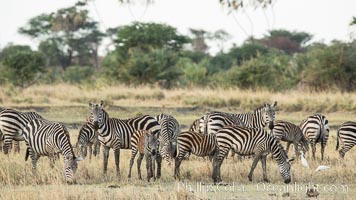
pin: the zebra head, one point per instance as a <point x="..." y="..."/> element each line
<point x="151" y="143"/>
<point x="268" y="114"/>
<point x="280" y="155"/>
<point x="97" y="114"/>
<point x="70" y="167"/>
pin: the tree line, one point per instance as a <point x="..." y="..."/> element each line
<point x="157" y="54"/>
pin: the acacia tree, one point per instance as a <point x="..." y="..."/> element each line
<point x="66" y="36"/>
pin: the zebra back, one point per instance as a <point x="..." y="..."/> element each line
<point x="316" y="128"/>
<point x="213" y="121"/>
<point x="196" y="125"/>
<point x="196" y="143"/>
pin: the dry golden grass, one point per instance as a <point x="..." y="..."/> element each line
<point x="68" y="104"/>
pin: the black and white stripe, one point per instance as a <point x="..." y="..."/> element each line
<point x="169" y="131"/>
<point x="213" y="121"/>
<point x="11" y="123"/>
<point x="146" y="144"/>
<point x="346" y="136"/>
<point x="45" y="138"/>
<point x="116" y="133"/>
<point x="316" y="129"/>
<point x="292" y="134"/>
<point x="88" y="137"/>
<point x="191" y="142"/>
<point x="197" y="125"/>
<point x="249" y="141"/>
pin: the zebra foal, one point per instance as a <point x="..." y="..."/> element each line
<point x="88" y="137"/>
<point x="45" y="138"/>
<point x="290" y="133"/>
<point x="146" y="144"/>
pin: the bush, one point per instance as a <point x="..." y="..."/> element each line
<point x="78" y="74"/>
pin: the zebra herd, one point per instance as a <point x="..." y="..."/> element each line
<point x="159" y="138"/>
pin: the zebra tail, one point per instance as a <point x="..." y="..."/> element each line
<point x="27" y="153"/>
<point x="206" y="124"/>
<point x="337" y="139"/>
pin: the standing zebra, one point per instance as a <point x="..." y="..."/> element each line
<point x="191" y="142"/>
<point x="197" y="125"/>
<point x="346" y="135"/>
<point x="87" y="138"/>
<point x="116" y="133"/>
<point x="45" y="138"/>
<point x="146" y="144"/>
<point x="249" y="141"/>
<point x="169" y="131"/>
<point x="316" y="129"/>
<point x="11" y="123"/>
<point x="290" y="133"/>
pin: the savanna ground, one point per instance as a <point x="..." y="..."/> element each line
<point x="69" y="104"/>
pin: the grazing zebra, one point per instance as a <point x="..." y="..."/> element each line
<point x="116" y="133"/>
<point x="249" y="141"/>
<point x="290" y="133"/>
<point x="316" y="129"/>
<point x="45" y="138"/>
<point x="147" y="145"/>
<point x="191" y="142"/>
<point x="87" y="138"/>
<point x="169" y="131"/>
<point x="346" y="135"/>
<point x="11" y="124"/>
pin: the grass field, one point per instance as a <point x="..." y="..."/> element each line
<point x="69" y="105"/>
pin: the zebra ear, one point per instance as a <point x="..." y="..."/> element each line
<point x="90" y="104"/>
<point x="101" y="103"/>
<point x="275" y="104"/>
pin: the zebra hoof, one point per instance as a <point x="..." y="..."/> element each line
<point x="266" y="180"/>
<point x="250" y="179"/>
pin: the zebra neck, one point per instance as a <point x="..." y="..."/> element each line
<point x="276" y="149"/>
<point x="258" y="119"/>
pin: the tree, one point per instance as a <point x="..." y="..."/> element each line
<point x="199" y="40"/>
<point x="289" y="42"/>
<point x="21" y="65"/>
<point x="247" y="51"/>
<point x="67" y="35"/>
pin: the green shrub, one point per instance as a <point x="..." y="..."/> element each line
<point x="78" y="74"/>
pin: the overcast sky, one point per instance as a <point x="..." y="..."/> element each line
<point x="326" y="20"/>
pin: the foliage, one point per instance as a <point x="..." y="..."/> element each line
<point x="193" y="73"/>
<point x="78" y="74"/>
<point x="22" y="66"/>
<point x="247" y="51"/>
<point x="67" y="35"/>
<point x="270" y="71"/>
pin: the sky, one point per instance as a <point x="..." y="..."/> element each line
<point x="326" y="20"/>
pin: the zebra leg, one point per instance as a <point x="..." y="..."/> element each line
<point x="90" y="148"/>
<point x="7" y="143"/>
<point x="217" y="162"/>
<point x="153" y="165"/>
<point x="117" y="162"/>
<point x="132" y="160"/>
<point x="106" y="157"/>
<point x="34" y="159"/>
<point x="139" y="161"/>
<point x="264" y="168"/>
<point x="159" y="165"/>
<point x="296" y="152"/>
<point x="16" y="146"/>
<point x="255" y="161"/>
<point x="322" y="150"/>
<point x="177" y="163"/>
<point x="149" y="167"/>
<point x="313" y="145"/>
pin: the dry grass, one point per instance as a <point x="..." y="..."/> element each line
<point x="68" y="104"/>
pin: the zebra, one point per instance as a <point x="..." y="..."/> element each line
<point x="11" y="124"/>
<point x="197" y="125"/>
<point x="290" y="133"/>
<point x="316" y="129"/>
<point x="146" y="144"/>
<point x="116" y="133"/>
<point x="46" y="138"/>
<point x="249" y="141"/>
<point x="88" y="137"/>
<point x="169" y="131"/>
<point x="346" y="135"/>
<point x="191" y="142"/>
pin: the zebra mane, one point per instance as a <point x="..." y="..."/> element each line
<point x="264" y="105"/>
